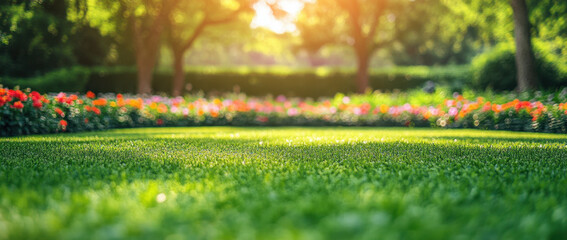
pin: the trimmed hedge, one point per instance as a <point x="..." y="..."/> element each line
<point x="255" y="82"/>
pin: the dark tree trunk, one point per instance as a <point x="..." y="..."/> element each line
<point x="362" y="75"/>
<point x="179" y="74"/>
<point x="363" y="62"/>
<point x="145" y="70"/>
<point x="525" y="60"/>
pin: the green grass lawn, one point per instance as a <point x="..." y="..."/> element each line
<point x="284" y="183"/>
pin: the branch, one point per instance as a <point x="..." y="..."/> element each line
<point x="381" y="44"/>
<point x="163" y="15"/>
<point x="378" y="12"/>
<point x="200" y="28"/>
<point x="208" y="22"/>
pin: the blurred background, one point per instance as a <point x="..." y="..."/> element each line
<point x="303" y="48"/>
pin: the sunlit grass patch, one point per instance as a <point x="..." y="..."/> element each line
<point x="281" y="183"/>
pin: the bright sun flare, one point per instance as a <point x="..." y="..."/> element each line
<point x="266" y="19"/>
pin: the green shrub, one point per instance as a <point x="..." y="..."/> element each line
<point x="496" y="69"/>
<point x="62" y="80"/>
<point x="252" y="81"/>
<point x="300" y="83"/>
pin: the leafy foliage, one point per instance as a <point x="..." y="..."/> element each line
<point x="496" y="69"/>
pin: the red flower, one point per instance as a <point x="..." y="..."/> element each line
<point x="59" y="112"/>
<point x="159" y="122"/>
<point x="95" y="110"/>
<point x="35" y="96"/>
<point x="90" y="95"/>
<point x="3" y="100"/>
<point x="61" y="97"/>
<point x="63" y="124"/>
<point x="17" y="94"/>
<point x="17" y="105"/>
<point x="262" y="119"/>
<point x="37" y="104"/>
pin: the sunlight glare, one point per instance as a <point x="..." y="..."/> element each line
<point x="265" y="18"/>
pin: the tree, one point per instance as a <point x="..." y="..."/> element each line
<point x="189" y="21"/>
<point x="34" y="37"/>
<point x="424" y="35"/>
<point x="365" y="25"/>
<point x="504" y="17"/>
<point x="143" y="20"/>
<point x="147" y="20"/>
<point x="525" y="59"/>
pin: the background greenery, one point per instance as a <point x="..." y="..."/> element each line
<point x="254" y="81"/>
<point x="73" y="45"/>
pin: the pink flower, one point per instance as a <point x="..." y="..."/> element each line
<point x="292" y="112"/>
<point x="281" y="98"/>
<point x="453" y="111"/>
<point x="357" y="111"/>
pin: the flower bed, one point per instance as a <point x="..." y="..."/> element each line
<point x="29" y="112"/>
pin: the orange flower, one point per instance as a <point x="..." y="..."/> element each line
<point x="162" y="108"/>
<point x="136" y="103"/>
<point x="214" y="114"/>
<point x="120" y="102"/>
<point x="496" y="108"/>
<point x="100" y="102"/>
<point x="90" y="95"/>
<point x="59" y="112"/>
<point x="384" y="108"/>
<point x="72" y="98"/>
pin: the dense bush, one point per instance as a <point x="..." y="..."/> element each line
<point x="496" y="69"/>
<point x="254" y="82"/>
<point x="25" y="112"/>
<point x="66" y="80"/>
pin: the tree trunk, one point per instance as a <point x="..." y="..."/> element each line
<point x="525" y="60"/>
<point x="179" y="74"/>
<point x="362" y="73"/>
<point x="145" y="71"/>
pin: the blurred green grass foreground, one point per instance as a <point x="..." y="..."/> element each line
<point x="284" y="183"/>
